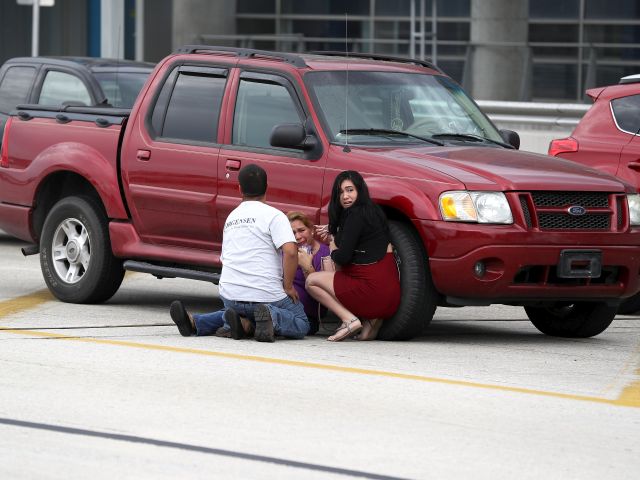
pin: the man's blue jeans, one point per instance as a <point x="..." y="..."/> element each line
<point x="289" y="319"/>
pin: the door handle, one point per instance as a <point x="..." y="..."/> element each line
<point x="143" y="155"/>
<point x="233" y="164"/>
<point x="634" y="165"/>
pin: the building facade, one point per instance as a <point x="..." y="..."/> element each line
<point x="540" y="50"/>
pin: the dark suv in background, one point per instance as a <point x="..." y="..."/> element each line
<point x="70" y="81"/>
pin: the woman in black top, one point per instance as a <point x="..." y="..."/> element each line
<point x="366" y="287"/>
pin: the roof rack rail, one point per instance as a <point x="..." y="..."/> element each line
<point x="291" y="58"/>
<point x="374" y="56"/>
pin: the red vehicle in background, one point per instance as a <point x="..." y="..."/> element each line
<point x="608" y="139"/>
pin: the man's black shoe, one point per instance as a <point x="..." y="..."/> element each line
<point x="232" y="318"/>
<point x="180" y="317"/>
<point x="264" y="324"/>
<point x="223" y="332"/>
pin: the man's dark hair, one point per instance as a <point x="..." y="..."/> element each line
<point x="253" y="181"/>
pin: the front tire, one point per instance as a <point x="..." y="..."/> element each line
<point x="630" y="305"/>
<point x="419" y="297"/>
<point x="75" y="252"/>
<point x="572" y="320"/>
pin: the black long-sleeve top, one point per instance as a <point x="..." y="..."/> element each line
<point x="359" y="241"/>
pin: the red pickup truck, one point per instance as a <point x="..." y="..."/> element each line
<point x="474" y="221"/>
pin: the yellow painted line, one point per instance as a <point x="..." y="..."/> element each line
<point x="26" y="302"/>
<point x="630" y="396"/>
<point x="633" y="359"/>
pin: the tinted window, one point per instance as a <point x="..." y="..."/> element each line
<point x="627" y="113"/>
<point x="63" y="88"/>
<point x="15" y="87"/>
<point x="259" y="107"/>
<point x="193" y="109"/>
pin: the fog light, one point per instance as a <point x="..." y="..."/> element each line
<point x="479" y="269"/>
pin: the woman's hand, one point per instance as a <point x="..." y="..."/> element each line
<point x="322" y="231"/>
<point x="305" y="261"/>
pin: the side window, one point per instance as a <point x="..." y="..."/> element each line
<point x="188" y="107"/>
<point x="15" y="87"/>
<point x="627" y="113"/>
<point x="59" y="88"/>
<point x="259" y="107"/>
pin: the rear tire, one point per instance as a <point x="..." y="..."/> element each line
<point x="75" y="252"/>
<point x="419" y="297"/>
<point x="572" y="320"/>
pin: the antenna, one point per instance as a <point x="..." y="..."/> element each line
<point x="346" y="148"/>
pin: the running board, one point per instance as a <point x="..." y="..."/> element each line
<point x="170" y="272"/>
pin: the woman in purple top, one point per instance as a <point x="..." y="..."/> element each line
<point x="310" y="253"/>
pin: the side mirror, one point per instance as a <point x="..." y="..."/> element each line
<point x="291" y="135"/>
<point x="511" y="137"/>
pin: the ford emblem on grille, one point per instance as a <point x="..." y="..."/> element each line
<point x="577" y="210"/>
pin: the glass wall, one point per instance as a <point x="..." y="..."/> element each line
<point x="574" y="44"/>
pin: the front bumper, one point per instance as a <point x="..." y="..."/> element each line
<point x="522" y="265"/>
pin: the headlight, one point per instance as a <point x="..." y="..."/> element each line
<point x="634" y="209"/>
<point x="481" y="207"/>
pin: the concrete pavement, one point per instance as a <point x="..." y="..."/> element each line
<point x="113" y="391"/>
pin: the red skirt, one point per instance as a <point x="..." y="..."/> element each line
<point x="369" y="291"/>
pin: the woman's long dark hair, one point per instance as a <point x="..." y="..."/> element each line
<point x="372" y="213"/>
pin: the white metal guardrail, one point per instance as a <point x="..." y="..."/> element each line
<point x="536" y="123"/>
<point x="536" y="115"/>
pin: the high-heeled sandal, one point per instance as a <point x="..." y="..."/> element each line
<point x="347" y="329"/>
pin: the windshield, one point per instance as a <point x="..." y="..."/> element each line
<point x="417" y="104"/>
<point x="121" y="89"/>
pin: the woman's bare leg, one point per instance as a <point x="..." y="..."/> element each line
<point x="320" y="286"/>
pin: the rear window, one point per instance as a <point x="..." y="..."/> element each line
<point x="188" y="106"/>
<point x="121" y="89"/>
<point x="60" y="88"/>
<point x="626" y="111"/>
<point x="15" y="87"/>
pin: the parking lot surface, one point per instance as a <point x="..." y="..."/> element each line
<point x="112" y="391"/>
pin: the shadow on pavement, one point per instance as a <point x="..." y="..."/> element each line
<point x="134" y="297"/>
<point x="497" y="332"/>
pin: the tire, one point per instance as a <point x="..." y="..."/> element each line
<point x="630" y="305"/>
<point x="572" y="320"/>
<point x="419" y="297"/>
<point x="75" y="252"/>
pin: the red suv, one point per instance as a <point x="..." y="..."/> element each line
<point x="608" y="139"/>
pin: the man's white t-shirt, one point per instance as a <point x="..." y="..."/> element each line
<point x="251" y="262"/>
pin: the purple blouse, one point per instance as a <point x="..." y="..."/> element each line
<point x="308" y="302"/>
